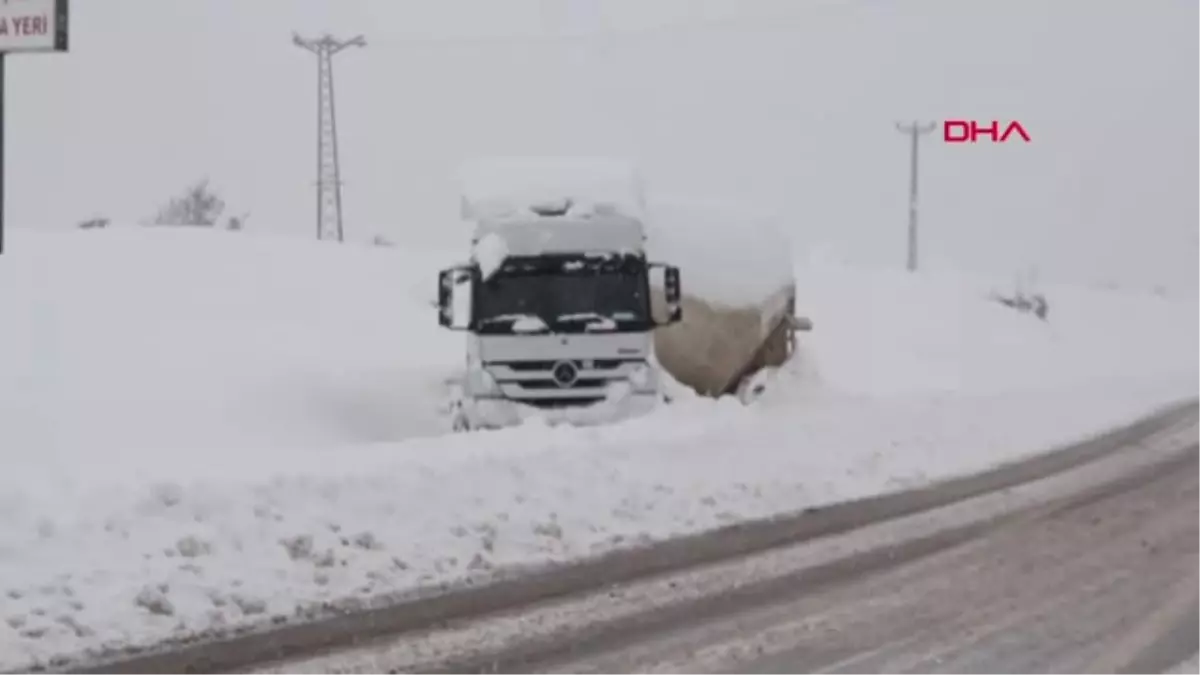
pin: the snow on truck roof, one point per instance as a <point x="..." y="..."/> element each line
<point x="532" y="233"/>
<point x="494" y="186"/>
<point x="727" y="253"/>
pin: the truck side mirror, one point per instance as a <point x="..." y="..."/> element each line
<point x="671" y="292"/>
<point x="454" y="298"/>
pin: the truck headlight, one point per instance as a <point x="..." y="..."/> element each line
<point x="481" y="383"/>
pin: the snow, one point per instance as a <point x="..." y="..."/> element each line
<point x="492" y="186"/>
<point x="183" y="392"/>
<point x="172" y="338"/>
<point x="888" y="332"/>
<point x="726" y="254"/>
<point x="529" y="324"/>
<point x="521" y="323"/>
<point x="490" y="252"/>
<point x="203" y="430"/>
<point x="596" y="322"/>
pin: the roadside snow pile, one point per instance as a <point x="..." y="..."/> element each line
<point x="110" y="554"/>
<point x="202" y="431"/>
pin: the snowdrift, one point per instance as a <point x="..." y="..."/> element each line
<point x="121" y="340"/>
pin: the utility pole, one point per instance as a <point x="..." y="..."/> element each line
<point x="915" y="131"/>
<point x="329" y="182"/>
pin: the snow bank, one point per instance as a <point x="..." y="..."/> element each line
<point x="246" y="539"/>
<point x="491" y="186"/>
<point x="125" y="340"/>
<point x="204" y="430"/>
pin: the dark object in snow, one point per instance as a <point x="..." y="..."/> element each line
<point x="1033" y="303"/>
<point x="197" y="206"/>
<point x="94" y="224"/>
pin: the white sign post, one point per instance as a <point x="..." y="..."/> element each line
<point x="27" y="26"/>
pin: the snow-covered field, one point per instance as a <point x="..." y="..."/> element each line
<point x="206" y="429"/>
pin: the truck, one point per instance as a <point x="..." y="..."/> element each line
<point x="556" y="302"/>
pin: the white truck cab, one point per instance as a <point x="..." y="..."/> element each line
<point x="556" y="301"/>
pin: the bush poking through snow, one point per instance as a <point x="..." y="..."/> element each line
<point x="198" y="206"/>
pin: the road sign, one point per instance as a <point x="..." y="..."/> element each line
<point x="33" y="26"/>
<point x="27" y="26"/>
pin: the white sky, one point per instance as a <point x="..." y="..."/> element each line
<point x="789" y="103"/>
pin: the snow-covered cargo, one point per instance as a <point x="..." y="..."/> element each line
<point x="739" y="293"/>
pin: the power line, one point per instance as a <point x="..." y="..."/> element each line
<point x="914" y="131"/>
<point x="329" y="182"/>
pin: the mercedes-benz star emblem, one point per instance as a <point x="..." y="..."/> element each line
<point x="564" y="373"/>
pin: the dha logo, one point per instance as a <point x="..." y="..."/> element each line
<point x="969" y="131"/>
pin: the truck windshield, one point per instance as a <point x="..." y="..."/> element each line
<point x="564" y="294"/>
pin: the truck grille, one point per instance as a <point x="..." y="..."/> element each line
<point x="547" y="383"/>
<point x="555" y="403"/>
<point x="534" y="366"/>
<point x="551" y="384"/>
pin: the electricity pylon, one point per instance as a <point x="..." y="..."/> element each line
<point x="329" y="182"/>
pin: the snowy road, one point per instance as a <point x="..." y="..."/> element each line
<point x="1103" y="583"/>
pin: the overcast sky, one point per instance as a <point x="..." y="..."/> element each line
<point x="790" y="105"/>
